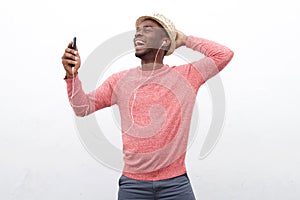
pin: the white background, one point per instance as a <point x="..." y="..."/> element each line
<point x="257" y="157"/>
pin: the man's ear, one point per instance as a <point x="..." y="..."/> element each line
<point x="167" y="42"/>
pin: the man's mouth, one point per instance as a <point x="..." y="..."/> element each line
<point x="139" y="44"/>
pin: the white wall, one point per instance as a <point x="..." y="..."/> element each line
<point x="257" y="157"/>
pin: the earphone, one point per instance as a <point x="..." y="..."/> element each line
<point x="135" y="90"/>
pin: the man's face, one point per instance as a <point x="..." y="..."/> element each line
<point x="148" y="38"/>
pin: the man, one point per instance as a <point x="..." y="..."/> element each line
<point x="156" y="103"/>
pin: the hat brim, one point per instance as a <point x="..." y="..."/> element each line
<point x="173" y="42"/>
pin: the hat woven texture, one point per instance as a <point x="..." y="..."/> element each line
<point x="166" y="24"/>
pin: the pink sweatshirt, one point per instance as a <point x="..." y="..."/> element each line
<point x="155" y="108"/>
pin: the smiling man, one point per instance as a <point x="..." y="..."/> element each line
<point x="156" y="102"/>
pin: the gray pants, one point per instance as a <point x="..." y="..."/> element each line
<point x="178" y="188"/>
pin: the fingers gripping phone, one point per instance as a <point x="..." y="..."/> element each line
<point x="74" y="47"/>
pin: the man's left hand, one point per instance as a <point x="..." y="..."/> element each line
<point x="181" y="39"/>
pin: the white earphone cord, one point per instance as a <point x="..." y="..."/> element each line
<point x="135" y="90"/>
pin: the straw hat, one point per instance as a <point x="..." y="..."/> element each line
<point x="166" y="24"/>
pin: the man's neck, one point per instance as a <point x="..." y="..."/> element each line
<point x="151" y="66"/>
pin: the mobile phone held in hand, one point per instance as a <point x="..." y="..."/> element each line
<point x="74" y="43"/>
<point x="74" y="47"/>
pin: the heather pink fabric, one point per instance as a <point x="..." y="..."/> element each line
<point x="155" y="125"/>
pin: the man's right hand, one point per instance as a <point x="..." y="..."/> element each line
<point x="71" y="57"/>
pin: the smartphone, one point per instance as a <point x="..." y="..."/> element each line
<point x="74" y="47"/>
<point x="74" y="43"/>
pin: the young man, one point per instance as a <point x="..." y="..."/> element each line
<point x="156" y="103"/>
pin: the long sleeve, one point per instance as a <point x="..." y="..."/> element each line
<point x="86" y="103"/>
<point x="216" y="57"/>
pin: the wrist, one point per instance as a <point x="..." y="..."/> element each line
<point x="70" y="76"/>
<point x="184" y="40"/>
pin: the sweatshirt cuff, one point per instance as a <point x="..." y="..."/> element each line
<point x="189" y="41"/>
<point x="69" y="80"/>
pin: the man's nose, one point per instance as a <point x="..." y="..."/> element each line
<point x="138" y="33"/>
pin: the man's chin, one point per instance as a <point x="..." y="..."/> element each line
<point x="140" y="53"/>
